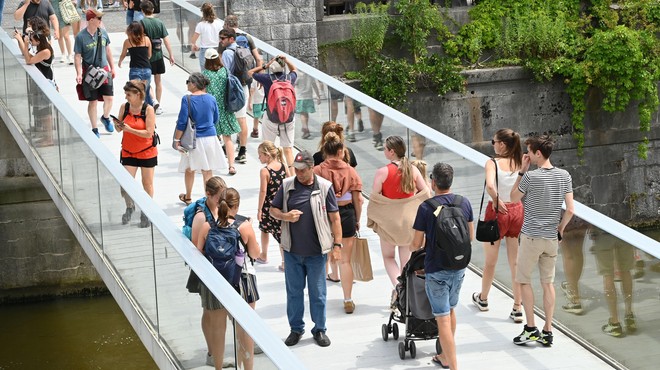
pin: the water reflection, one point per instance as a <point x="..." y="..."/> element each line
<point x="72" y="333"/>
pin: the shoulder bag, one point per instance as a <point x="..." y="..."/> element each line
<point x="189" y="137"/>
<point x="489" y="231"/>
<point x="68" y="12"/>
<point x="95" y="75"/>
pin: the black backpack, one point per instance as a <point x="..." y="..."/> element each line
<point x="155" y="139"/>
<point x="243" y="62"/>
<point x="452" y="234"/>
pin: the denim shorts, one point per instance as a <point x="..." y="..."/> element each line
<point x="442" y="289"/>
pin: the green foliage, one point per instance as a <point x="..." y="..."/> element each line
<point x="609" y="46"/>
<point x="369" y="29"/>
<point x="388" y="80"/>
<point x="416" y="20"/>
<point x="440" y="73"/>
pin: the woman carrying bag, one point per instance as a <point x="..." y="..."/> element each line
<point x="501" y="174"/>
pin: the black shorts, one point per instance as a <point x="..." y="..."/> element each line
<point x="158" y="67"/>
<point x="335" y="95"/>
<point x="98" y="94"/>
<point x="347" y="215"/>
<point x="137" y="162"/>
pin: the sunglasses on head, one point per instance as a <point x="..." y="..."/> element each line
<point x="493" y="141"/>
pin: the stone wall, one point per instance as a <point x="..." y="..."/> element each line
<point x="39" y="255"/>
<point x="609" y="178"/>
<point x="289" y="25"/>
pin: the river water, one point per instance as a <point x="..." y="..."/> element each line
<point x="69" y="333"/>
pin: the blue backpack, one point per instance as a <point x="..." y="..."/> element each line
<point x="242" y="40"/>
<point x="235" y="96"/>
<point x="189" y="214"/>
<point x="222" y="248"/>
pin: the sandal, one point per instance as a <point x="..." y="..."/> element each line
<point x="182" y="197"/>
<point x="232" y="170"/>
<point x="260" y="260"/>
<point x="331" y="279"/>
<point x="437" y="360"/>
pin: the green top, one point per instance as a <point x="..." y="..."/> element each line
<point x="155" y="29"/>
<point x="227" y="123"/>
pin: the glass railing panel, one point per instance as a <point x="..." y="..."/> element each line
<point x="181" y="28"/>
<point x="80" y="180"/>
<point x="18" y="100"/>
<point x="128" y="243"/>
<point x="45" y="135"/>
<point x="6" y="58"/>
<point x="245" y="352"/>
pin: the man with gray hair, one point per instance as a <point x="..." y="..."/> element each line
<point x="442" y="285"/>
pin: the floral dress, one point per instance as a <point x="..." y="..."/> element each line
<point x="227" y="124"/>
<point x="268" y="224"/>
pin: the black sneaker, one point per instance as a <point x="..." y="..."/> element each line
<point x="241" y="158"/>
<point x="193" y="56"/>
<point x="360" y="125"/>
<point x="293" y="338"/>
<point x="546" y="338"/>
<point x="144" y="221"/>
<point x="126" y="217"/>
<point x="321" y="339"/>
<point x="480" y="303"/>
<point x="528" y="335"/>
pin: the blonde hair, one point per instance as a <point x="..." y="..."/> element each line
<point x="397" y="144"/>
<point x="269" y="148"/>
<point x="421" y="166"/>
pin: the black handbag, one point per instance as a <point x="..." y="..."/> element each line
<point x="193" y="284"/>
<point x="489" y="231"/>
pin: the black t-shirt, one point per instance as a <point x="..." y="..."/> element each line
<point x="318" y="158"/>
<point x="42" y="10"/>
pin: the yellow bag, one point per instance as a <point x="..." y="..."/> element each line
<point x="361" y="260"/>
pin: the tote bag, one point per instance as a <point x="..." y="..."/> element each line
<point x="68" y="12"/>
<point x="188" y="140"/>
<point x="361" y="260"/>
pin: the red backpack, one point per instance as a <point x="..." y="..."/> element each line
<point x="281" y="102"/>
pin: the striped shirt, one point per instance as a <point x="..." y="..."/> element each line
<point x="544" y="190"/>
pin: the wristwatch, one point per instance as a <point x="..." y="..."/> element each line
<point x="337" y="245"/>
<point x="521" y="174"/>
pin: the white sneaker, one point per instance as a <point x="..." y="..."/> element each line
<point x="159" y="111"/>
<point x="70" y="59"/>
<point x="63" y="59"/>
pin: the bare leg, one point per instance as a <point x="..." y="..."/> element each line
<point x="229" y="147"/>
<point x="392" y="269"/>
<point x="548" y="304"/>
<point x="528" y="303"/>
<point x="218" y="331"/>
<point x="265" y="239"/>
<point x="245" y="347"/>
<point x="610" y="297"/>
<point x="288" y="156"/>
<point x="345" y="267"/>
<point x="446" y="330"/>
<point x="242" y="136"/>
<point x="207" y="329"/>
<point x="147" y="175"/>
<point x="334" y="109"/>
<point x="512" y="255"/>
<point x="376" y="120"/>
<point x="189" y="181"/>
<point x="350" y="113"/>
<point x="206" y="175"/>
<point x="107" y="105"/>
<point x="91" y="112"/>
<point x="491" y="252"/>
<point x="573" y="259"/>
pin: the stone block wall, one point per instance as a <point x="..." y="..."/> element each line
<point x="39" y="255"/>
<point x="289" y="25"/>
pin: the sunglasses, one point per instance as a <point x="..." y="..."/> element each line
<point x="223" y="37"/>
<point x="493" y="141"/>
<point x="431" y="176"/>
<point x="187" y="82"/>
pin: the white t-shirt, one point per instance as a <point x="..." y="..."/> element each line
<point x="208" y="34"/>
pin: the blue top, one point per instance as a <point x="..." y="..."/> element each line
<point x="205" y="113"/>
<point x="228" y="57"/>
<point x="425" y="221"/>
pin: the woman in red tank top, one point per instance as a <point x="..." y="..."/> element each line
<point x="137" y="149"/>
<point x="398" y="180"/>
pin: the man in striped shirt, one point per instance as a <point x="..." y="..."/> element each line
<point x="542" y="192"/>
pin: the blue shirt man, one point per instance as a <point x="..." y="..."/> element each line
<point x="442" y="286"/>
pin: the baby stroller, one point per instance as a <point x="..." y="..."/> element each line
<point x="412" y="308"/>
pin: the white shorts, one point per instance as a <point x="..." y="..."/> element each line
<point x="243" y="112"/>
<point x="284" y="131"/>
<point x="207" y="156"/>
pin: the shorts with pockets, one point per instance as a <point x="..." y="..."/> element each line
<point x="442" y="289"/>
<point x="536" y="251"/>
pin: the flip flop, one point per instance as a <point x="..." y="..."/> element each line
<point x="260" y="260"/>
<point x="182" y="197"/>
<point x="437" y="360"/>
<point x="331" y="279"/>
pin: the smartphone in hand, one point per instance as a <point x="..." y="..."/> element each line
<point x="558" y="236"/>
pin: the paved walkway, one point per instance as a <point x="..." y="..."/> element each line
<point x="483" y="339"/>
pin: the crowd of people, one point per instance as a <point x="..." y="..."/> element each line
<point x="312" y="204"/>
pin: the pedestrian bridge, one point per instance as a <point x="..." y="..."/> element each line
<point x="146" y="268"/>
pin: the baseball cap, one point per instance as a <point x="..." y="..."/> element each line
<point x="211" y="53"/>
<point x="92" y="13"/>
<point x="303" y="160"/>
<point x="276" y="67"/>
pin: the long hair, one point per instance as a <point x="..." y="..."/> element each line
<point x="215" y="185"/>
<point x="135" y="33"/>
<point x="397" y="144"/>
<point x="44" y="44"/>
<point x="513" y="152"/>
<point x="230" y="199"/>
<point x="337" y="128"/>
<point x="208" y="14"/>
<point x="268" y="147"/>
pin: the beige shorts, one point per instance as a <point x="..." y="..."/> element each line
<point x="243" y="112"/>
<point x="533" y="251"/>
<point x="608" y="249"/>
<point x="284" y="131"/>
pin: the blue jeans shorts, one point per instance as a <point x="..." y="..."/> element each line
<point x="442" y="289"/>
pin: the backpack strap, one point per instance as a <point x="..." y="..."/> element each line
<point x="433" y="203"/>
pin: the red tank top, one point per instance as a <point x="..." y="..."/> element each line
<point x="133" y="146"/>
<point x="392" y="184"/>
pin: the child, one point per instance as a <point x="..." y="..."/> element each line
<point x="421" y="166"/>
<point x="258" y="107"/>
<point x="271" y="178"/>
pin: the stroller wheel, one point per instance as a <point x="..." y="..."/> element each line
<point x="438" y="348"/>
<point x="384" y="331"/>
<point x="413" y="349"/>
<point x="395" y="331"/>
<point x="402" y="350"/>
